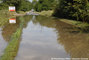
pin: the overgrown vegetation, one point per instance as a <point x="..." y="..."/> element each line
<point x="73" y="9"/>
<point x="83" y="27"/>
<point x="3" y="17"/>
<point x="21" y="5"/>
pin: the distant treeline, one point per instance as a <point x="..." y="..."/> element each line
<point x="41" y="5"/>
<point x="25" y="5"/>
<point x="71" y="9"/>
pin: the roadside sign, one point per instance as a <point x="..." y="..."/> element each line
<point x="12" y="20"/>
<point x="11" y="8"/>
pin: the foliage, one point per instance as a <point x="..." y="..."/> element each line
<point x="73" y="9"/>
<point x="23" y="5"/>
<point x="3" y="6"/>
<point x="34" y="3"/>
<point x="4" y="14"/>
<point x="44" y="5"/>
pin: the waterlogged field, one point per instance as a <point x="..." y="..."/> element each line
<point x="41" y="38"/>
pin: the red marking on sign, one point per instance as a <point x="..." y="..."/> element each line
<point x="11" y="10"/>
<point x="12" y="19"/>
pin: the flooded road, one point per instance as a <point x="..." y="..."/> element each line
<point x="39" y="43"/>
<point x="3" y="43"/>
<point x="43" y="38"/>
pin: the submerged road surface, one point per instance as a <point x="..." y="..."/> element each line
<point x="44" y="38"/>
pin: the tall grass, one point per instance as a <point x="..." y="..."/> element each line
<point x="83" y="26"/>
<point x="3" y="17"/>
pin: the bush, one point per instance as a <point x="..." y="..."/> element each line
<point x="3" y="6"/>
<point x="72" y="9"/>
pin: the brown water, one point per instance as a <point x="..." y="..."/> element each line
<point x="44" y="38"/>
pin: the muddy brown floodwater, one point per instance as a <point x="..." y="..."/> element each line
<point x="44" y="38"/>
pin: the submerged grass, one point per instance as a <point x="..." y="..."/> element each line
<point x="12" y="48"/>
<point x="83" y="26"/>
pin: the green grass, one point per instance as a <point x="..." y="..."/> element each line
<point x="46" y="13"/>
<point x="3" y="21"/>
<point x="21" y="12"/>
<point x="4" y="14"/>
<point x="76" y="23"/>
<point x="82" y="25"/>
<point x="3" y="18"/>
<point x="12" y="48"/>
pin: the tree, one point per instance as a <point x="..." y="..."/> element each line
<point x="44" y="5"/>
<point x="72" y="9"/>
<point x="34" y="3"/>
<point x="24" y="5"/>
<point x="21" y="5"/>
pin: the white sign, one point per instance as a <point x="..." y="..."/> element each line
<point x="12" y="20"/>
<point x="11" y="8"/>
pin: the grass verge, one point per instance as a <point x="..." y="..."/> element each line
<point x="46" y="13"/>
<point x="82" y="25"/>
<point x="3" y="17"/>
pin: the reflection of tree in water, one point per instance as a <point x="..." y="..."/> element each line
<point x="27" y="19"/>
<point x="44" y="21"/>
<point x="13" y="32"/>
<point x="12" y="48"/>
<point x="75" y="43"/>
<point x="9" y="29"/>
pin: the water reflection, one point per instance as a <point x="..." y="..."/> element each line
<point x="6" y="31"/>
<point x="75" y="44"/>
<point x="39" y="44"/>
<point x="52" y="38"/>
<point x="9" y="29"/>
<point x="44" y="38"/>
<point x="12" y="20"/>
<point x="3" y="43"/>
